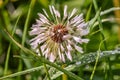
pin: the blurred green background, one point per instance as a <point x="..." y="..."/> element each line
<point x="10" y="10"/>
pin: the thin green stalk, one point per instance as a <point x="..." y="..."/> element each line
<point x="64" y="76"/>
<point x="88" y="13"/>
<point x="45" y="67"/>
<point x="27" y="21"/>
<point x="97" y="58"/>
<point x="6" y="20"/>
<point x="109" y="10"/>
<point x="9" y="48"/>
<point x="46" y="70"/>
<point x="102" y="34"/>
<point x="92" y="21"/>
<point x="22" y="72"/>
<point x="100" y="23"/>
<point x="24" y="36"/>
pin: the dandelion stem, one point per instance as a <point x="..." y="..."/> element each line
<point x="64" y="76"/>
<point x="46" y="70"/>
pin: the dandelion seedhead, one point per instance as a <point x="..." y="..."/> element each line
<point x="58" y="35"/>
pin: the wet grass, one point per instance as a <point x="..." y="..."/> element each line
<point x="101" y="58"/>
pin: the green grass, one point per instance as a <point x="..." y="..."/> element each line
<point x="99" y="62"/>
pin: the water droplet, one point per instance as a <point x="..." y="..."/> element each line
<point x="78" y="63"/>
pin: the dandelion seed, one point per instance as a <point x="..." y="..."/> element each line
<point x="58" y="36"/>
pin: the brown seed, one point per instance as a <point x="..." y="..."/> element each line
<point x="59" y="31"/>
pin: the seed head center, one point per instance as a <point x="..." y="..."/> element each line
<point x="58" y="32"/>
